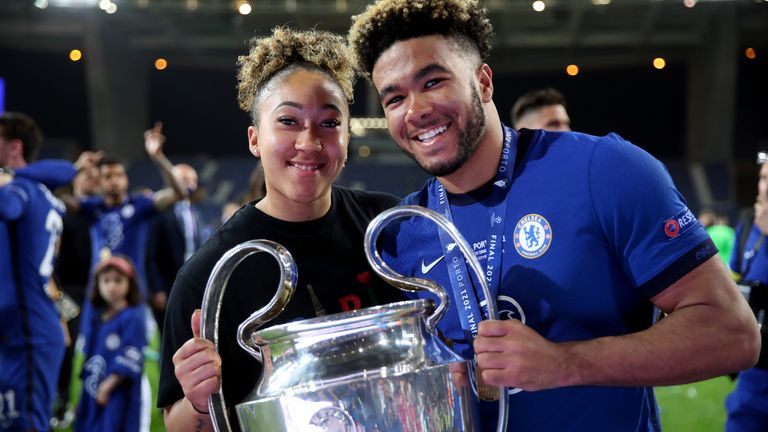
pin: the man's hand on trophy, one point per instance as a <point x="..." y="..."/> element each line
<point x="511" y="354"/>
<point x="198" y="367"/>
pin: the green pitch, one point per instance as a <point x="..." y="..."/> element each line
<point x="697" y="407"/>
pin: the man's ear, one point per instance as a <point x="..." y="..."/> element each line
<point x="485" y="78"/>
<point x="253" y="141"/>
<point x="17" y="148"/>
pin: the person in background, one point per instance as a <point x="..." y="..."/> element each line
<point x="296" y="85"/>
<point x="562" y="226"/>
<point x="73" y="271"/>
<point x="175" y="235"/>
<point x="719" y="229"/>
<point x="31" y="335"/>
<point x="120" y="223"/>
<point x="747" y="405"/>
<point x="111" y="394"/>
<point x="541" y="109"/>
<point x="228" y="210"/>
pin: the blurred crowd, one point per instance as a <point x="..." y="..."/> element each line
<point x="139" y="241"/>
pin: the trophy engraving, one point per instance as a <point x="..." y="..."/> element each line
<point x="333" y="419"/>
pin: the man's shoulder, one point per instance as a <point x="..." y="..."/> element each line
<point x="141" y="198"/>
<point x="36" y="193"/>
<point x="421" y="196"/>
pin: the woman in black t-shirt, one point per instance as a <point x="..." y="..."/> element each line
<point x="296" y="85"/>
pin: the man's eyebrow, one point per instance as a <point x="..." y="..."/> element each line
<point x="420" y="74"/>
<point x="428" y="69"/>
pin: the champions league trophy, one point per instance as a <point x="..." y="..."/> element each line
<point x="378" y="369"/>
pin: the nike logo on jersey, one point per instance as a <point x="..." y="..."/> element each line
<point x="426" y="268"/>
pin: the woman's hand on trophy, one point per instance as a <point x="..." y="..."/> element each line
<point x="459" y="374"/>
<point x="511" y="354"/>
<point x="198" y="367"/>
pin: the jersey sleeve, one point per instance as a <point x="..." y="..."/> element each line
<point x="129" y="362"/>
<point x="53" y="173"/>
<point x="13" y="201"/>
<point x="145" y="205"/>
<point x="646" y="221"/>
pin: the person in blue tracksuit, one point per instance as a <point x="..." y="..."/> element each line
<point x="31" y="335"/>
<point x="112" y="373"/>
<point x="747" y="405"/>
<point x="579" y="238"/>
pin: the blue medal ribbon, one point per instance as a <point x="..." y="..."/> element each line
<point x="467" y="298"/>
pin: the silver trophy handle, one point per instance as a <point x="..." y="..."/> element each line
<point x="212" y="298"/>
<point x="419" y="284"/>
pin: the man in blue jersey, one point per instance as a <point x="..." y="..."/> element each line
<point x="120" y="225"/>
<point x="580" y="237"/>
<point x="747" y="405"/>
<point x="31" y="336"/>
<point x="120" y="221"/>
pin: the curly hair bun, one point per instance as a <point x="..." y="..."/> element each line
<point x="286" y="47"/>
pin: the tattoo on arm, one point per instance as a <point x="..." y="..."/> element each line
<point x="200" y="425"/>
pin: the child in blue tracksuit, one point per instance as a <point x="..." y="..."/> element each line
<point x="112" y="373"/>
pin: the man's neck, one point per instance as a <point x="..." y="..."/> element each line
<point x="481" y="167"/>
<point x="116" y="199"/>
<point x="17" y="163"/>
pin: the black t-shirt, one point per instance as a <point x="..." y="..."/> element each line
<point x="329" y="258"/>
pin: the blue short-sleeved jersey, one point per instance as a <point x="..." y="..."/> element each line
<point x="31" y="337"/>
<point x="113" y="347"/>
<point x="751" y="259"/>
<point x="594" y="228"/>
<point x="52" y="173"/>
<point x="746" y="404"/>
<point x="121" y="229"/>
<point x="32" y="216"/>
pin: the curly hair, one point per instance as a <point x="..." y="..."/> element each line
<point x="284" y="51"/>
<point x="388" y="21"/>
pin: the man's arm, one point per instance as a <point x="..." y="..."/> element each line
<point x="53" y="173"/>
<point x="174" y="190"/>
<point x="709" y="331"/>
<point x="86" y="160"/>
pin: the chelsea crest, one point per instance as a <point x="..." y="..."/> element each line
<point x="533" y="235"/>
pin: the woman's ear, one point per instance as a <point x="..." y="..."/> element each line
<point x="253" y="141"/>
